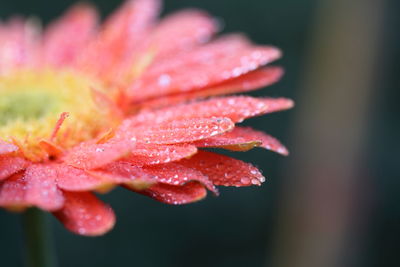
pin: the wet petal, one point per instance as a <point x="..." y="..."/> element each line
<point x="236" y="108"/>
<point x="41" y="187"/>
<point x="242" y="139"/>
<point x="181" y="31"/>
<point x="66" y="37"/>
<point x="6" y="148"/>
<point x="179" y="131"/>
<point x="125" y="173"/>
<point x="12" y="193"/>
<point x="204" y="68"/>
<point x="157" y="154"/>
<point x="19" y="43"/>
<point x="248" y="82"/>
<point x="121" y="36"/>
<point x="127" y="25"/>
<point x="11" y="165"/>
<point x="221" y="47"/>
<point x="223" y="170"/>
<point x="176" y="174"/>
<point x="84" y="214"/>
<point x="91" y="156"/>
<point x="176" y="195"/>
<point x="73" y="179"/>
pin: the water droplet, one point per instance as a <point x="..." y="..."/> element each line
<point x="254" y="172"/>
<point x="164" y="80"/>
<point x="214" y="133"/>
<point x="245" y="180"/>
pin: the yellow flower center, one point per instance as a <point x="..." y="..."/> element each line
<point x="31" y="103"/>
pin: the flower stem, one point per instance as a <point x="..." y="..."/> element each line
<point x="39" y="249"/>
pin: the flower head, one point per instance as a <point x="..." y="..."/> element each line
<point x="132" y="102"/>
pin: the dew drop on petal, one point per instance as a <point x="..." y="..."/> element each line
<point x="245" y="180"/>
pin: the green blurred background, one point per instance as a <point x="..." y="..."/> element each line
<point x="333" y="202"/>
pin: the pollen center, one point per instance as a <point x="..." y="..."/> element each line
<point x="26" y="106"/>
<point x="31" y="103"/>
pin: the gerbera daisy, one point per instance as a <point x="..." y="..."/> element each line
<point x="132" y="102"/>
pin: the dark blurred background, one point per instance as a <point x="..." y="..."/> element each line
<point x="334" y="202"/>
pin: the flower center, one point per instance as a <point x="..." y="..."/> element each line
<point x="31" y="103"/>
<point x="26" y="107"/>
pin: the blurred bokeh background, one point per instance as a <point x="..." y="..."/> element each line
<point x="334" y="202"/>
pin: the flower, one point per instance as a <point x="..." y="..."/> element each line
<point x="131" y="102"/>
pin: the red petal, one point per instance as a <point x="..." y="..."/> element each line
<point x="72" y="179"/>
<point x="248" y="82"/>
<point x="206" y="67"/>
<point x="6" y="148"/>
<point x="12" y="193"/>
<point x="242" y="139"/>
<point x="156" y="154"/>
<point x="65" y="38"/>
<point x="179" y="131"/>
<point x="175" y="174"/>
<point x="11" y="165"/>
<point x="223" y="170"/>
<point x="84" y="214"/>
<point x="182" y="31"/>
<point x="236" y="108"/>
<point x="176" y="195"/>
<point x="91" y="156"/>
<point x="41" y="187"/>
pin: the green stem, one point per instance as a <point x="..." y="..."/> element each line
<point x="38" y="239"/>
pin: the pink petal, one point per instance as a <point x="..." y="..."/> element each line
<point x="6" y="148"/>
<point x="176" y="195"/>
<point x="84" y="214"/>
<point x="206" y="67"/>
<point x="248" y="82"/>
<point x="90" y="156"/>
<point x="175" y="174"/>
<point x="181" y="31"/>
<point x="66" y="37"/>
<point x="221" y="47"/>
<point x="73" y="179"/>
<point x="126" y="173"/>
<point x="236" y="108"/>
<point x="19" y="41"/>
<point x="12" y="193"/>
<point x="121" y="36"/>
<point x="278" y="104"/>
<point x="223" y="170"/>
<point x="179" y="131"/>
<point x="157" y="154"/>
<point x="242" y="139"/>
<point x="130" y="22"/>
<point x="11" y="165"/>
<point x="41" y="187"/>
